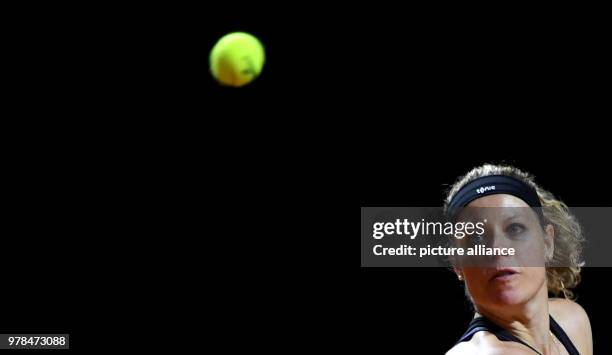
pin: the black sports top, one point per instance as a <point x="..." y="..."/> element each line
<point x="483" y="324"/>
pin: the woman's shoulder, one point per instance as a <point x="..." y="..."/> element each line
<point x="574" y="320"/>
<point x="568" y="313"/>
<point x="565" y="307"/>
<point x="487" y="344"/>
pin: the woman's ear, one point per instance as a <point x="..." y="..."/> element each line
<point x="549" y="241"/>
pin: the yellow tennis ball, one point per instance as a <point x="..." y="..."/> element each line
<point x="236" y="59"/>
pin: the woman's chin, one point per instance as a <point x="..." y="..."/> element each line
<point x="509" y="297"/>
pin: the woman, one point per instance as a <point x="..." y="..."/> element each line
<point x="513" y="311"/>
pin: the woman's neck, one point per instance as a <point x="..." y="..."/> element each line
<point x="528" y="322"/>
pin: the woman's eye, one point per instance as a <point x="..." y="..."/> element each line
<point x="515" y="228"/>
<point x="476" y="239"/>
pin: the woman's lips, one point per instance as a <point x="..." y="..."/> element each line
<point x="505" y="274"/>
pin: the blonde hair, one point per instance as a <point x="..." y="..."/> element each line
<point x="568" y="233"/>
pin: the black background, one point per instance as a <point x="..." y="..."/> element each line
<point x="358" y="105"/>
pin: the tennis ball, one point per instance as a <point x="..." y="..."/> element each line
<point x="236" y="59"/>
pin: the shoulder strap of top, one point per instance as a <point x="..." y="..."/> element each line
<point x="483" y="324"/>
<point x="556" y="329"/>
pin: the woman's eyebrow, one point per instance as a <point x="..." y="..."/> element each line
<point x="513" y="216"/>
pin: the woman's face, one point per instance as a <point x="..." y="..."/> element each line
<point x="508" y="280"/>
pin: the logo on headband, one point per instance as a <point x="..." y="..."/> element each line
<point x="484" y="189"/>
